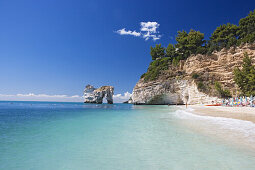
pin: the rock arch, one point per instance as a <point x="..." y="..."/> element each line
<point x="93" y="95"/>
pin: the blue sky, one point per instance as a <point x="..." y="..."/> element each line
<point x="56" y="47"/>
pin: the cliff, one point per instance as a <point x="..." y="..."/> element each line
<point x="177" y="85"/>
<point x="93" y="95"/>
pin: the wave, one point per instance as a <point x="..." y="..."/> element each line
<point x="221" y="125"/>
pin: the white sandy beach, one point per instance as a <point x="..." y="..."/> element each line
<point x="234" y="125"/>
<point x="242" y="113"/>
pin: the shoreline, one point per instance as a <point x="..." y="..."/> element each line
<point x="234" y="126"/>
<point x="240" y="113"/>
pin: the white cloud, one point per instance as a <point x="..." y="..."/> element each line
<point x="41" y="97"/>
<point x="149" y="26"/>
<point x="124" y="32"/>
<point x="149" y="35"/>
<point x="147" y="30"/>
<point x="119" y="98"/>
<point x="150" y="29"/>
<point x="75" y="96"/>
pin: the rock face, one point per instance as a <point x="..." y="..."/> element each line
<point x="179" y="89"/>
<point x="128" y="101"/>
<point x="93" y="95"/>
<point x="169" y="92"/>
<point x="220" y="65"/>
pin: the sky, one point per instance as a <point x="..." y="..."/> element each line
<point x="51" y="49"/>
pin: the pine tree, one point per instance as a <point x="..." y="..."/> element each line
<point x="245" y="77"/>
<point x="170" y="51"/>
<point x="247" y="28"/>
<point x="157" y="52"/>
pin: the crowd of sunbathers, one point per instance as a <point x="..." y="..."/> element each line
<point x="239" y="102"/>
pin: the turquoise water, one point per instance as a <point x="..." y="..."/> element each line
<point x="41" y="135"/>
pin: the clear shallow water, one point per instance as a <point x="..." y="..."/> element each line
<point x="41" y="135"/>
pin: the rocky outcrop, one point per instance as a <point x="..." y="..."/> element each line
<point x="93" y="95"/>
<point x="169" y="92"/>
<point x="129" y="101"/>
<point x="220" y="65"/>
<point x="172" y="88"/>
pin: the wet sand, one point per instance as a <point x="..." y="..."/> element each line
<point x="241" y="113"/>
<point x="233" y="125"/>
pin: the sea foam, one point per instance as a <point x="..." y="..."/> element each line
<point x="233" y="128"/>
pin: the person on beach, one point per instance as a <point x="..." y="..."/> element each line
<point x="186" y="100"/>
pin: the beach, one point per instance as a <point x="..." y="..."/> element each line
<point x="231" y="125"/>
<point x="241" y="113"/>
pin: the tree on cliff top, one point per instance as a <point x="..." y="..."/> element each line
<point x="170" y="51"/>
<point x="157" y="52"/>
<point x="224" y="36"/>
<point x="189" y="43"/>
<point x="245" y="77"/>
<point x="247" y="28"/>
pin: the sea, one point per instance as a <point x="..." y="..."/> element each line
<point x="78" y="136"/>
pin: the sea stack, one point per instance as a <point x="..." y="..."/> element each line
<point x="94" y="95"/>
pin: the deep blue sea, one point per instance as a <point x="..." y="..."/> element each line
<point x="77" y="136"/>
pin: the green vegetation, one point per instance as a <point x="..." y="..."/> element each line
<point x="189" y="43"/>
<point x="228" y="35"/>
<point x="224" y="36"/>
<point x="246" y="30"/>
<point x="170" y="51"/>
<point x="175" y="61"/>
<point x="245" y="78"/>
<point x="156" y="67"/>
<point x="223" y="93"/>
<point x="157" y="52"/>
<point x="193" y="42"/>
<point x="195" y="76"/>
<point x="201" y="86"/>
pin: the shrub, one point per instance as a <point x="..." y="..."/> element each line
<point x="222" y="93"/>
<point x="142" y="76"/>
<point x="201" y="86"/>
<point x="194" y="75"/>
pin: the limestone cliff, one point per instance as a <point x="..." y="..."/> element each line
<point x="93" y="95"/>
<point x="176" y="85"/>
